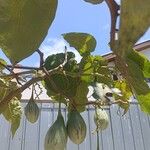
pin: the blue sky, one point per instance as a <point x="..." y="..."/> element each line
<point x="77" y="16"/>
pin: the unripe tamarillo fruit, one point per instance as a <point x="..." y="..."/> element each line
<point x="32" y="111"/>
<point x="56" y="137"/>
<point x="76" y="127"/>
<point x="101" y="119"/>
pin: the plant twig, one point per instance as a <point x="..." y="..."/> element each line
<point x="11" y="71"/>
<point x="41" y="57"/>
<point x="114" y="8"/>
<point x="24" y="67"/>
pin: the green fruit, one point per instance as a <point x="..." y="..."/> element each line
<point x="76" y="127"/>
<point x="32" y="111"/>
<point x="56" y="137"/>
<point x="101" y="119"/>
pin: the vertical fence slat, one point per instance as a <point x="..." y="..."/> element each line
<point x="117" y="128"/>
<point x="127" y="132"/>
<point x="135" y="123"/>
<point x="4" y="133"/>
<point x="108" y="140"/>
<point x="46" y="122"/>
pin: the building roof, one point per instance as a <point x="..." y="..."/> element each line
<point x="138" y="47"/>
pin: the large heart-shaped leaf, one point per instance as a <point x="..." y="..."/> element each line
<point x="24" y="25"/>
<point x="134" y="22"/>
<point x="84" y="43"/>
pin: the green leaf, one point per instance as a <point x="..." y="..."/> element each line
<point x="61" y="83"/>
<point x="124" y="88"/>
<point x="95" y="65"/>
<point x="136" y="78"/>
<point x="80" y="98"/>
<point x="24" y="25"/>
<point x="142" y="62"/>
<point x="125" y="94"/>
<point x="139" y="85"/>
<point x="144" y="101"/>
<point x="134" y="22"/>
<point x="94" y="1"/>
<point x="84" y="43"/>
<point x="11" y="111"/>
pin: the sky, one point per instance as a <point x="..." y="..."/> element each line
<point x="77" y="16"/>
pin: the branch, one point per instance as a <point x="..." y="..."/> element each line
<point x="113" y="7"/>
<point x="11" y="71"/>
<point x="41" y="57"/>
<point x="24" y="67"/>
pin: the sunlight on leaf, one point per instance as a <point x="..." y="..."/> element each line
<point x="24" y="25"/>
<point x="84" y="43"/>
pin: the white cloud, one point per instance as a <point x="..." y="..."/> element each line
<point x="57" y="45"/>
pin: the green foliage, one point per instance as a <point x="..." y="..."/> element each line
<point x="125" y="94"/>
<point x="80" y="99"/>
<point x="133" y="65"/>
<point x="24" y="25"/>
<point x="141" y="61"/>
<point x="61" y="83"/>
<point x="12" y="111"/>
<point x="139" y="85"/>
<point x="134" y="22"/>
<point x="84" y="43"/>
<point x="95" y="68"/>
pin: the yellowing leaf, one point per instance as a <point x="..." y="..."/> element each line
<point x="13" y="114"/>
<point x="125" y="95"/>
<point x="24" y="25"/>
<point x="84" y="43"/>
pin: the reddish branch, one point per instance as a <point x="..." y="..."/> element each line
<point x="114" y="8"/>
<point x="41" y="58"/>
